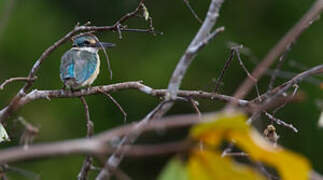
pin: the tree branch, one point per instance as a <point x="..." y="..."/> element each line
<point x="16" y="79"/>
<point x="87" y="163"/>
<point x="50" y="94"/>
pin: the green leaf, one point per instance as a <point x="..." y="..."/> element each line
<point x="174" y="170"/>
<point x="146" y="13"/>
<point x="3" y="134"/>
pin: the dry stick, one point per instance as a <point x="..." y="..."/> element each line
<point x="281" y="61"/>
<point x="26" y="173"/>
<point x="281" y="46"/>
<point x="236" y="49"/>
<point x="87" y="163"/>
<point x="274" y="94"/>
<point x="277" y="92"/>
<point x="287" y="100"/>
<point x="224" y="69"/>
<point x="192" y="11"/>
<point x="14" y="103"/>
<point x="16" y="79"/>
<point x="195" y="106"/>
<point x="117" y="104"/>
<point x="188" y="56"/>
<point x="280" y="122"/>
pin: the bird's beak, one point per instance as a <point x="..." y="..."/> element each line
<point x="105" y="45"/>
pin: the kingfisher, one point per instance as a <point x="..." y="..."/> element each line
<point x="80" y="65"/>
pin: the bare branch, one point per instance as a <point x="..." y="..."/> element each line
<point x="89" y="123"/>
<point x="280" y="122"/>
<point x="195" y="106"/>
<point x="236" y="49"/>
<point x="16" y="79"/>
<point x="192" y="11"/>
<point x="49" y="94"/>
<point x="278" y="91"/>
<point x="187" y="58"/>
<point x="117" y="104"/>
<point x="224" y="69"/>
<point x="87" y="163"/>
<point x="281" y="61"/>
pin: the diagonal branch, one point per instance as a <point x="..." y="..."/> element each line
<point x="16" y="79"/>
<point x="280" y="47"/>
<point x="187" y="58"/>
<point x="87" y="163"/>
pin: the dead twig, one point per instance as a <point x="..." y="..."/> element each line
<point x="87" y="163"/>
<point x="117" y="104"/>
<point x="192" y="11"/>
<point x="280" y="122"/>
<point x="16" y="79"/>
<point x="224" y="69"/>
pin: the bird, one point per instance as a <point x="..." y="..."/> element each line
<point x="80" y="65"/>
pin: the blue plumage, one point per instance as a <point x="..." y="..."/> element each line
<point x="80" y="65"/>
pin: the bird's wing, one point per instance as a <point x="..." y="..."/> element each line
<point x="67" y="66"/>
<point x="85" y="65"/>
<point x="79" y="65"/>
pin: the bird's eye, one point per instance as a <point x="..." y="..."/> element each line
<point x="87" y="42"/>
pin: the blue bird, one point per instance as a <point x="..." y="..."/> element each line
<point x="80" y="65"/>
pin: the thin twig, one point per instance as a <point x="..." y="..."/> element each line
<point x="195" y="106"/>
<point x="192" y="11"/>
<point x="280" y="122"/>
<point x="16" y="79"/>
<point x="29" y="133"/>
<point x="224" y="69"/>
<point x="287" y="100"/>
<point x="23" y="172"/>
<point x="87" y="163"/>
<point x="89" y="123"/>
<point x="281" y="61"/>
<point x="278" y="91"/>
<point x="236" y="50"/>
<point x="117" y="104"/>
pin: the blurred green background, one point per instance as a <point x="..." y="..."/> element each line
<point x="34" y="25"/>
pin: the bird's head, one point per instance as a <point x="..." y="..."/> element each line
<point x="90" y="40"/>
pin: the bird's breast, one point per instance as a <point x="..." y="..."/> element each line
<point x="94" y="75"/>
